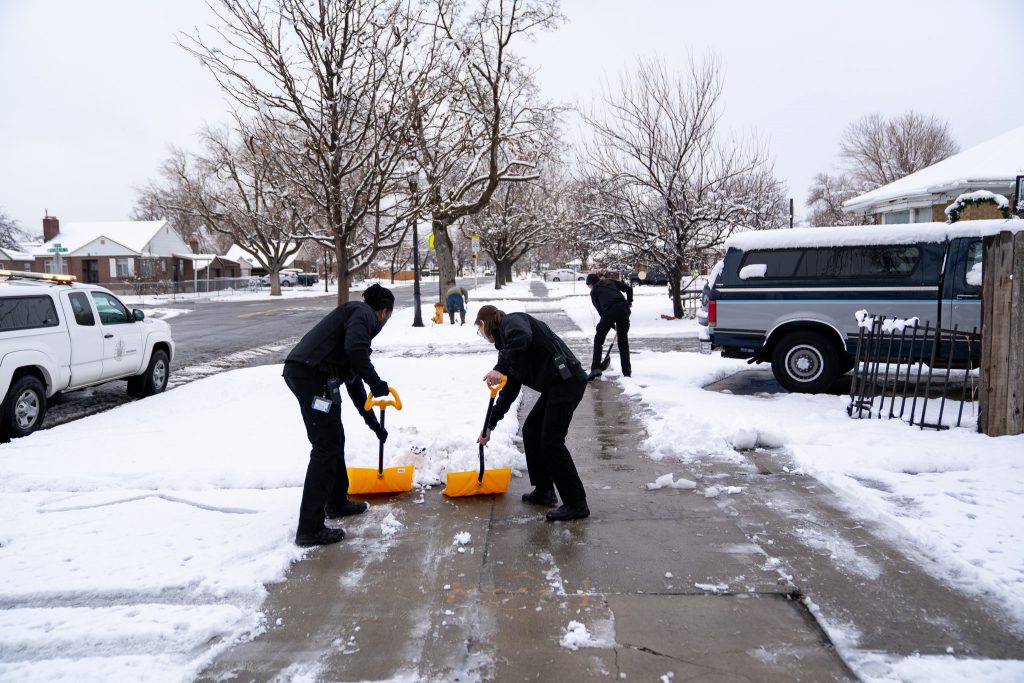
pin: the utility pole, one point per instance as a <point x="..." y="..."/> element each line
<point x="417" y="314"/>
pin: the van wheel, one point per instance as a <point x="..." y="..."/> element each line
<point x="154" y="379"/>
<point x="805" y="362"/>
<point x="24" y="408"/>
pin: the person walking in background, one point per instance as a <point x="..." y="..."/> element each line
<point x="530" y="353"/>
<point x="457" y="297"/>
<point x="336" y="349"/>
<point x="613" y="300"/>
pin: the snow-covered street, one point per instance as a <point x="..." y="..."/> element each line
<point x="142" y="543"/>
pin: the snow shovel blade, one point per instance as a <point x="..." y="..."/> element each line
<point x="469" y="483"/>
<point x="608" y="354"/>
<point x="364" y="480"/>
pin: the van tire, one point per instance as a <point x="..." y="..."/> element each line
<point x="805" y="362"/>
<point x="154" y="380"/>
<point x="24" y="407"/>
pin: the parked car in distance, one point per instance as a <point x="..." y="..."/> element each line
<point x="307" y="279"/>
<point x="287" y="278"/>
<point x="791" y="297"/>
<point x="57" y="335"/>
<point x="563" y="275"/>
<point x="647" y="277"/>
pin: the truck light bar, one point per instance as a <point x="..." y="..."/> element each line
<point x="63" y="279"/>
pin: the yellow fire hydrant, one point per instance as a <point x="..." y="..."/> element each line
<point x="438" y="313"/>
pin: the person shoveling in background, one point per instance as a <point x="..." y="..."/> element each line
<point x="337" y="347"/>
<point x="457" y="298"/>
<point x="607" y="296"/>
<point x="530" y="353"/>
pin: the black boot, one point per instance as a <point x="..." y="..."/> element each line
<point x="540" y="496"/>
<point x="324" y="536"/>
<point x="349" y="507"/>
<point x="567" y="512"/>
<point x="594" y="374"/>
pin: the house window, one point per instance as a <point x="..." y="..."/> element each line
<point x="163" y="265"/>
<point x="28" y="266"/>
<point x="123" y="267"/>
<point x="147" y="268"/>
<point x="894" y="217"/>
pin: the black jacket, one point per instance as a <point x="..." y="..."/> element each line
<point x="526" y="351"/>
<point x="607" y="294"/>
<point x="339" y="345"/>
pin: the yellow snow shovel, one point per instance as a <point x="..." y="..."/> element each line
<point x="363" y="480"/>
<point x="485" y="481"/>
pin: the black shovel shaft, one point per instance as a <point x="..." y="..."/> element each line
<point x="380" y="456"/>
<point x="483" y="432"/>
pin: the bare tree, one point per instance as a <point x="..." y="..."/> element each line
<point x="10" y="232"/>
<point x="879" y="150"/>
<point x="825" y="200"/>
<point x="519" y="218"/>
<point x="669" y="187"/>
<point x="234" y="189"/>
<point x="477" y="120"/>
<point x="317" y="84"/>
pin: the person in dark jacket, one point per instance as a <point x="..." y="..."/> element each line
<point x="607" y="296"/>
<point x="530" y="353"/>
<point x="336" y="350"/>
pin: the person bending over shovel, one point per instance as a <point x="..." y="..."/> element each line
<point x="606" y="295"/>
<point x="337" y="348"/>
<point x="530" y="353"/>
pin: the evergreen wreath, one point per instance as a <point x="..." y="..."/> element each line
<point x="954" y="210"/>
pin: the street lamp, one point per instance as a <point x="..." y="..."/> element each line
<point x="417" y="315"/>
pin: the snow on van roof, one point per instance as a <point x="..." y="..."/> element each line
<point x="862" y="235"/>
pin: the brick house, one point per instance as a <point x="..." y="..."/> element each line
<point x="922" y="197"/>
<point x="116" y="251"/>
<point x="16" y="259"/>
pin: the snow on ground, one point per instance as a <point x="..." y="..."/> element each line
<point x="214" y="469"/>
<point x="957" y="493"/>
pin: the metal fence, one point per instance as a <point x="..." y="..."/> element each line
<point x="902" y="369"/>
<point x="171" y="289"/>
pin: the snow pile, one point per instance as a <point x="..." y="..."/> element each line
<point x="977" y="196"/>
<point x="462" y="538"/>
<point x="577" y="636"/>
<point x="975" y="275"/>
<point x="754" y="270"/>
<point x="665" y="481"/>
<point x="389" y="526"/>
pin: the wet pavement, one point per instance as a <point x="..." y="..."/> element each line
<point x="665" y="581"/>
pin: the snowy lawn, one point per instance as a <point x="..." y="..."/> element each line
<point x="136" y="543"/>
<point x="957" y="493"/>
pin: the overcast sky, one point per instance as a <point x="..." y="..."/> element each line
<point x="93" y="93"/>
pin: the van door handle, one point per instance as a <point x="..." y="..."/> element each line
<point x="108" y="336"/>
<point x="968" y="297"/>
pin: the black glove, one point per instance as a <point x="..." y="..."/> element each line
<point x="382" y="434"/>
<point x="380" y="389"/>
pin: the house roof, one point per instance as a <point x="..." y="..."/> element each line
<point x="133" y="235"/>
<point x="994" y="163"/>
<point x="237" y="253"/>
<point x="15" y="255"/>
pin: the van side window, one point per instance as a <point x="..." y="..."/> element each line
<point x="972" y="270"/>
<point x="780" y="262"/>
<point x="875" y="261"/>
<point x="27" y="312"/>
<point x="83" y="311"/>
<point x="112" y="311"/>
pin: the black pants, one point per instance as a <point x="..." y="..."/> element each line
<point x="548" y="461"/>
<point x="617" y="316"/>
<point x="326" y="475"/>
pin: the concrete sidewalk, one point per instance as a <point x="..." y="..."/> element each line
<point x="664" y="581"/>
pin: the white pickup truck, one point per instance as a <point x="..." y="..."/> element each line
<point x="57" y="335"/>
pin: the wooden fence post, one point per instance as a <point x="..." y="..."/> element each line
<point x="1001" y="410"/>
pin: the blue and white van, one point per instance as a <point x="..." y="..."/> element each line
<point x="789" y="297"/>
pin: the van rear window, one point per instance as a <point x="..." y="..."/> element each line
<point x="27" y="312"/>
<point x="837" y="262"/>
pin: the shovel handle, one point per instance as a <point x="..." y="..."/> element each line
<point x="497" y="387"/>
<point x="383" y="402"/>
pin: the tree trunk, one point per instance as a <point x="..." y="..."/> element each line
<point x="344" y="276"/>
<point x="507" y="272"/>
<point x="275" y="281"/>
<point x="443" y="256"/>
<point x="675" y="291"/>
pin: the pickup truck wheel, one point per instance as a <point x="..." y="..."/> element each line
<point x="805" y="362"/>
<point x="24" y="408"/>
<point x="556" y="279"/>
<point x="154" y="380"/>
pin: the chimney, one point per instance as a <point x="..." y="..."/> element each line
<point x="193" y="241"/>
<point x="51" y="226"/>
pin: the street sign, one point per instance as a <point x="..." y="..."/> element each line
<point x="430" y="242"/>
<point x="57" y="248"/>
<point x="475" y="241"/>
